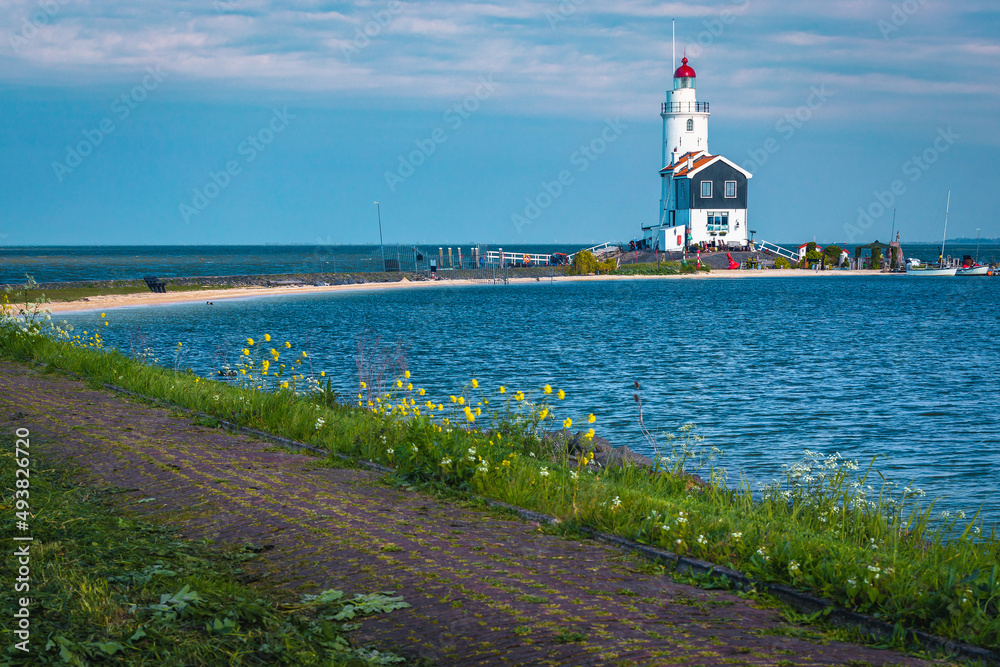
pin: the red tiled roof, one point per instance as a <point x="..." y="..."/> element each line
<point x="680" y="167"/>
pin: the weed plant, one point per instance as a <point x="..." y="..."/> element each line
<point x="108" y="589"/>
<point x="665" y="268"/>
<point x="828" y="527"/>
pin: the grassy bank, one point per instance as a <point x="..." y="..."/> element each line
<point x="77" y="293"/>
<point x="108" y="589"/>
<point x="828" y="527"/>
<point x="666" y="268"/>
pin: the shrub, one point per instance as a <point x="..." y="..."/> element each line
<point x="781" y="263"/>
<point x="585" y="263"/>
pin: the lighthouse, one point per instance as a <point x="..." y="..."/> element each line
<point x="703" y="197"/>
<point x="685" y="119"/>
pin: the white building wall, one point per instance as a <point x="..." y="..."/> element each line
<point x="679" y="140"/>
<point x="699" y="226"/>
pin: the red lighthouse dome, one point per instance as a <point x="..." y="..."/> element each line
<point x="684" y="71"/>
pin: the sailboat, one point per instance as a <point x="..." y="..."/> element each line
<point x="940" y="270"/>
<point x="976" y="269"/>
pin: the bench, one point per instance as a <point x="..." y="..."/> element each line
<point x="155" y="284"/>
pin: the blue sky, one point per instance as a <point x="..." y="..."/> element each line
<point x="244" y="121"/>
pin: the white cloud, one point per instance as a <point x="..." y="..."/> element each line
<point x="755" y="56"/>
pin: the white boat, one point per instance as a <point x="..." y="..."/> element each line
<point x="976" y="270"/>
<point x="913" y="268"/>
<point x="928" y="271"/>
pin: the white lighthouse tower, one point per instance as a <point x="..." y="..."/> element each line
<point x="685" y="124"/>
<point x="703" y="197"/>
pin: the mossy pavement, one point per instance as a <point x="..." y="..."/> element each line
<point x="484" y="589"/>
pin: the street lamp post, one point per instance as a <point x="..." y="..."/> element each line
<point x="380" y="245"/>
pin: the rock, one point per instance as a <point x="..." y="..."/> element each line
<point x="621" y="455"/>
<point x="577" y="443"/>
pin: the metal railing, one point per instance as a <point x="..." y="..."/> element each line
<point x="503" y="258"/>
<point x="777" y="250"/>
<point x="684" y="107"/>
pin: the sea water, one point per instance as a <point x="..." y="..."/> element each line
<point x="894" y="367"/>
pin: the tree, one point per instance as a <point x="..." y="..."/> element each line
<point x="832" y="254"/>
<point x="876" y="258"/>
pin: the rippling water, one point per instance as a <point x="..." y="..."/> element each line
<point x="900" y="367"/>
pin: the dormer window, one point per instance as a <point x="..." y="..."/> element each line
<point x="690" y="125"/>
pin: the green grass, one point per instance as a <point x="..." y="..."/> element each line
<point x="665" y="268"/>
<point x="106" y="588"/>
<point x="77" y="293"/>
<point x="874" y="550"/>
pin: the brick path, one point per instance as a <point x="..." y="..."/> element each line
<point x="485" y="590"/>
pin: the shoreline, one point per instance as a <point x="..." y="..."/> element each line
<point x="113" y="301"/>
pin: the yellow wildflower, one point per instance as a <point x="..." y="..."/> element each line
<point x="267" y="338"/>
<point x="399" y="383"/>
<point x="409" y="386"/>
<point x="249" y="341"/>
<point x="288" y="345"/>
<point x="591" y="418"/>
<point x="406" y="375"/>
<point x="475" y="383"/>
<point x="421" y="391"/>
<point x="461" y="400"/>
<point x="454" y="399"/>
<point x="567" y="422"/>
<point x="544" y="413"/>
<point x="503" y="389"/>
<point x="561" y="394"/>
<point x="364" y="386"/>
<point x="547" y="389"/>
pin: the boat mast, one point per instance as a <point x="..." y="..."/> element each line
<point x="946" y="209"/>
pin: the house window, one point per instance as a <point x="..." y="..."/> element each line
<point x="706" y="189"/>
<point x="718" y="223"/>
<point x="690" y="125"/>
<point x="730" y="189"/>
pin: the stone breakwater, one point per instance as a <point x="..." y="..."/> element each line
<point x="267" y="280"/>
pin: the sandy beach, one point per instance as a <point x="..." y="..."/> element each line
<point x="112" y="301"/>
